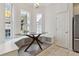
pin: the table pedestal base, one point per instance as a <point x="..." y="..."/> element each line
<point x="38" y="42"/>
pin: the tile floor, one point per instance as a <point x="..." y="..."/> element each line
<point x="55" y="50"/>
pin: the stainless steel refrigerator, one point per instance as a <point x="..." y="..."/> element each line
<point x="76" y="33"/>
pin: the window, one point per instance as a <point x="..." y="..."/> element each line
<point x="8" y="10"/>
<point x="25" y="21"/>
<point x="8" y="15"/>
<point x="39" y="21"/>
<point x="7" y="33"/>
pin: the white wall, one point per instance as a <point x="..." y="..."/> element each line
<point x="50" y="21"/>
<point x="1" y="23"/>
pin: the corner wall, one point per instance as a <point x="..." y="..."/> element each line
<point x="2" y="26"/>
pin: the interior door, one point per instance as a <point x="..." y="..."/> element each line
<point x="62" y="29"/>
